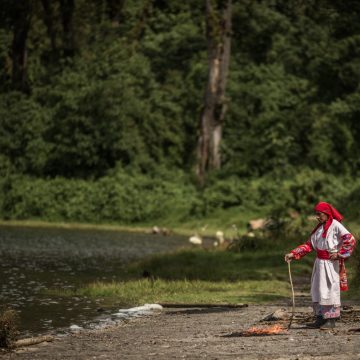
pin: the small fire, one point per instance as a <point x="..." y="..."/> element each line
<point x="275" y="329"/>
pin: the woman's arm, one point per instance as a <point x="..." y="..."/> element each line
<point x="300" y="251"/>
<point x="347" y="247"/>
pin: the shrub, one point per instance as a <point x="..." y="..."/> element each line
<point x="120" y="197"/>
<point x="8" y="327"/>
<point x="311" y="186"/>
<point x="133" y="197"/>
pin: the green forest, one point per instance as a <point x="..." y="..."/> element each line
<point x="102" y="101"/>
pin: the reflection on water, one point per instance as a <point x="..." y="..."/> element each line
<point x="35" y="259"/>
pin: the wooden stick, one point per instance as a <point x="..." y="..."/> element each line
<point x="293" y="296"/>
<point x="33" y="340"/>
<point x="169" y="305"/>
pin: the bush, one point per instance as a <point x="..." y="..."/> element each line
<point x="23" y="125"/>
<point x="311" y="186"/>
<point x="120" y="197"/>
<point x="9" y="320"/>
<point x="132" y="197"/>
<point x="221" y="194"/>
<point x="138" y="198"/>
<point x="350" y="203"/>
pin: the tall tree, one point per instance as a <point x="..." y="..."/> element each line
<point x="49" y="23"/>
<point x="218" y="32"/>
<point x="21" y="26"/>
<point x="114" y="10"/>
<point x="67" y="8"/>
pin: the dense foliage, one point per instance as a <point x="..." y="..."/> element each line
<point x="103" y="124"/>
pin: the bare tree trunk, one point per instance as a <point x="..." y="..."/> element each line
<point x="115" y="11"/>
<point x="49" y="23"/>
<point x="218" y="31"/>
<point x="67" y="8"/>
<point x="19" y="50"/>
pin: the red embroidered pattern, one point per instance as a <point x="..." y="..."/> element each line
<point x="348" y="246"/>
<point x="345" y="251"/>
<point x="302" y="250"/>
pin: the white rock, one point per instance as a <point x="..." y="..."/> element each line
<point x="220" y="236"/>
<point x="154" y="306"/>
<point x="195" y="239"/>
<point x="146" y="309"/>
<point x="75" y="328"/>
<point x="156" y="230"/>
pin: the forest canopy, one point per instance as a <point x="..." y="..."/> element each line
<point x="94" y="92"/>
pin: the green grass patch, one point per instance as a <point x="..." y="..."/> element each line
<point x="218" y="265"/>
<point x="198" y="276"/>
<point x="70" y="225"/>
<point x="137" y="292"/>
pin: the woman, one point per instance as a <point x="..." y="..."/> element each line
<point x="333" y="244"/>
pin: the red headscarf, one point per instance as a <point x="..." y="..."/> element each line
<point x="331" y="212"/>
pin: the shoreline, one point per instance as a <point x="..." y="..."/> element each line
<point x="144" y="229"/>
<point x="195" y="333"/>
<point x="70" y="225"/>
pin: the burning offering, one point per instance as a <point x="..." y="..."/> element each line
<point x="263" y="331"/>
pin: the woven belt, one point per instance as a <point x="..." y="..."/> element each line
<point x="322" y="254"/>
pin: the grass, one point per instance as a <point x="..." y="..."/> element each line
<point x="198" y="276"/>
<point x="217" y="265"/>
<point x="206" y="276"/>
<point x="62" y="225"/>
<point x="137" y="292"/>
<point x="219" y="220"/>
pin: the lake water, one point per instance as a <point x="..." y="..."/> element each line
<point x="36" y="259"/>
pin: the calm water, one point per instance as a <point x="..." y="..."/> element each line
<point x="36" y="259"/>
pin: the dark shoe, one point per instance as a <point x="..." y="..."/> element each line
<point x="318" y="322"/>
<point x="328" y="325"/>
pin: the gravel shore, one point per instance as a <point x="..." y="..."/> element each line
<point x="205" y="333"/>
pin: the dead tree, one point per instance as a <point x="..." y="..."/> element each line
<point x="218" y="32"/>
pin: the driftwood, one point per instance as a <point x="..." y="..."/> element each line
<point x="279" y="314"/>
<point x="354" y="330"/>
<point x="169" y="305"/>
<point x="32" y="341"/>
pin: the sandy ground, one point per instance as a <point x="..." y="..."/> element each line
<point x="206" y="333"/>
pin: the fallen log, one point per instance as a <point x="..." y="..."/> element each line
<point x="354" y="330"/>
<point x="33" y="341"/>
<point x="170" y="305"/>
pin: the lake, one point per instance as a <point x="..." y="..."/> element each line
<point x="36" y="259"/>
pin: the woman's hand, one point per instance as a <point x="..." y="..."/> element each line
<point x="334" y="256"/>
<point x="289" y="257"/>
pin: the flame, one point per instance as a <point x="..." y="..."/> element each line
<point x="275" y="329"/>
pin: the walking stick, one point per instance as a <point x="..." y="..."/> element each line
<point x="293" y="297"/>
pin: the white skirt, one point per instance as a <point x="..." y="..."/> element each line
<point x="325" y="282"/>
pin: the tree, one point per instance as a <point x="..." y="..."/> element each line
<point x="49" y="23"/>
<point x="67" y="8"/>
<point x="21" y="26"/>
<point x="218" y="33"/>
